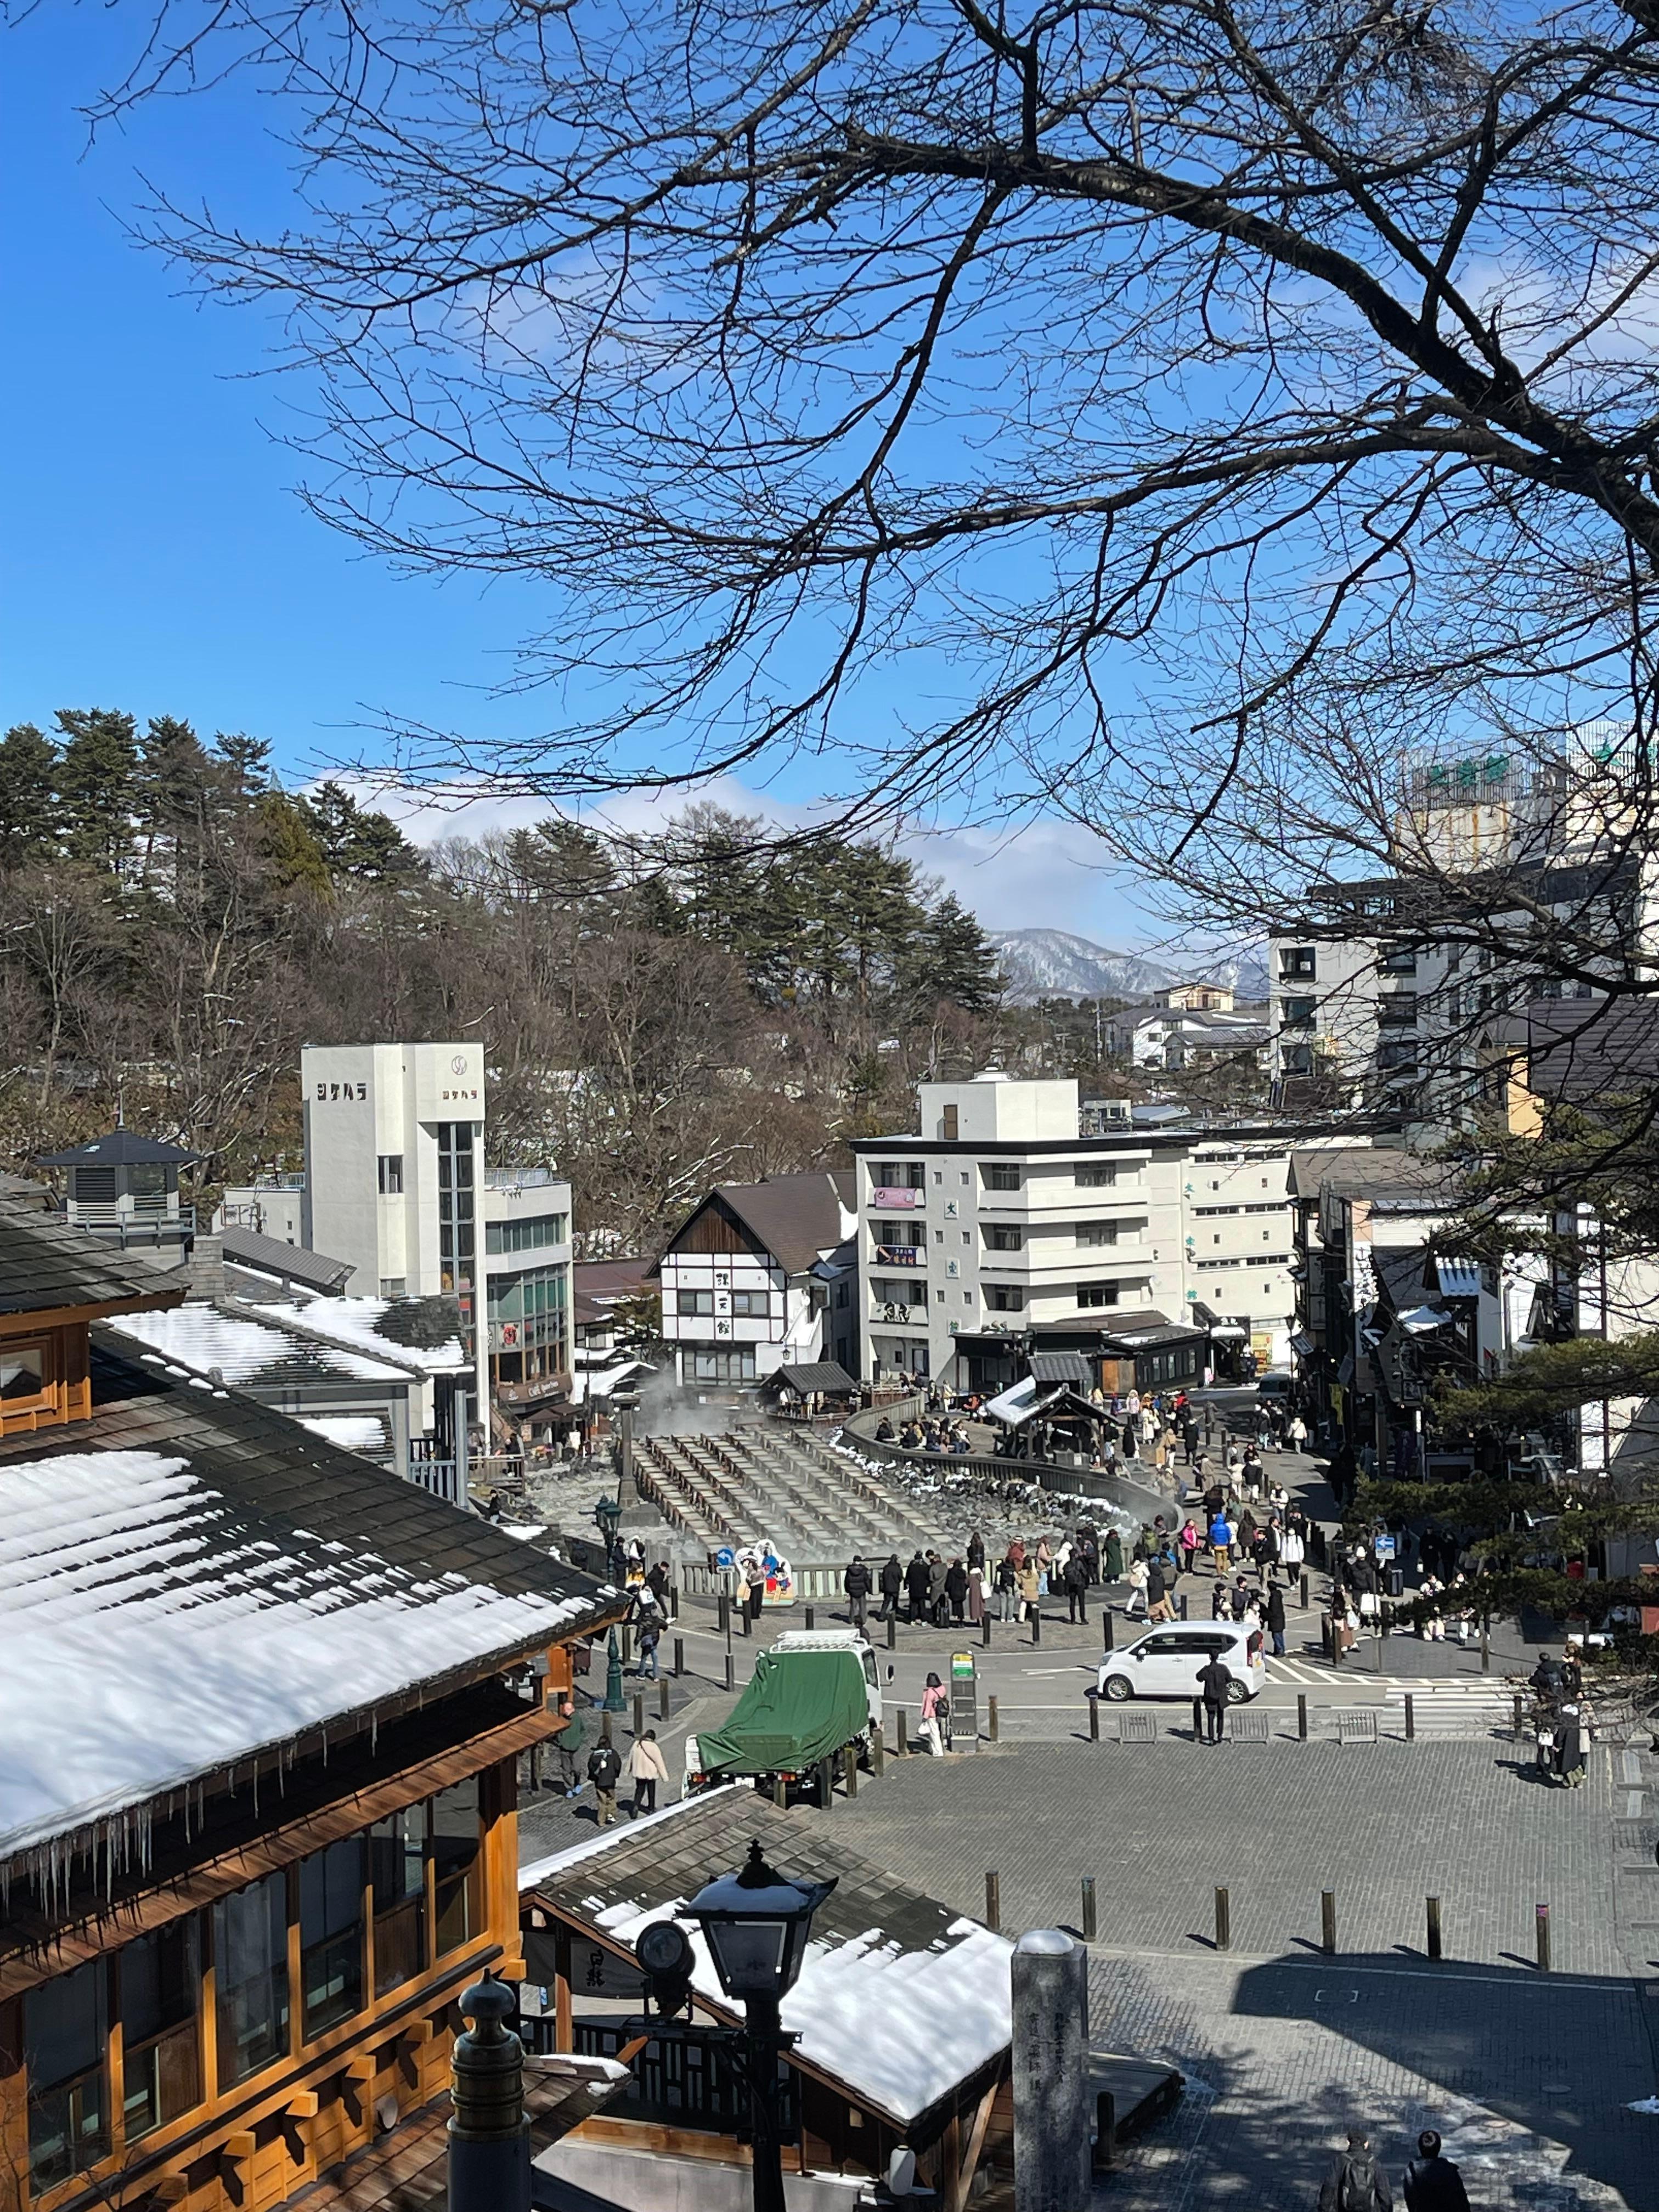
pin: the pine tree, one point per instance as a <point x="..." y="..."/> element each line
<point x="173" y="792"/>
<point x="357" y="843"/>
<point x="28" y="796"/>
<point x="288" y="846"/>
<point x="97" y="784"/>
<point x="953" y="960"/>
<point x="247" y="762"/>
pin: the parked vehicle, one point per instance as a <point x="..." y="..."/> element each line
<point x="813" y="1695"/>
<point x="1166" y="1663"/>
<point x="1275" y="1386"/>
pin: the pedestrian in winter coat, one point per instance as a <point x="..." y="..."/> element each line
<point x="1007" y="1589"/>
<point x="976" y="1594"/>
<point x="1188" y="1543"/>
<point x="645" y="1768"/>
<point x="650" y="1637"/>
<point x="1222" y="1533"/>
<point x="956" y="1590"/>
<point x="935" y="1712"/>
<point x="1355" y="2182"/>
<point x="975" y="1551"/>
<point x="1159" y="1607"/>
<point x="1129" y="1440"/>
<point x="1276" y="1619"/>
<point x="1076" y="1587"/>
<point x="936" y="1572"/>
<point x="604" y="1767"/>
<point x="856" y="1583"/>
<point x="567" y="1747"/>
<point x="1139" y="1575"/>
<point x="1434" y="2184"/>
<point x="1111" y="1556"/>
<point x="892" y="1585"/>
<point x="1030" y="1589"/>
<point x="915" y="1584"/>
<point x="1215" y="1684"/>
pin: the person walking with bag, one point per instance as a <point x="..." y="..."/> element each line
<point x="935" y="1711"/>
<point x="603" y="1769"/>
<point x="645" y="1768"/>
<point x="1434" y="2184"/>
<point x="1355" y="2182"/>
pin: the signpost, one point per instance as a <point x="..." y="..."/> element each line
<point x="965" y="1702"/>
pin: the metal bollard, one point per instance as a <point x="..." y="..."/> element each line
<point x="723" y="1619"/>
<point x="747" y="1619"/>
<point x="991" y="1719"/>
<point x="901" y="1737"/>
<point x="1106" y="1630"/>
<point x="892" y="1631"/>
<point x="1433" y="1903"/>
<point x="1301" y="1716"/>
<point x="1328" y="1923"/>
<point x="780" y="1793"/>
<point x="1090" y="1910"/>
<point x="1037" y="1625"/>
<point x="994" y="1901"/>
<point x="1094" y="1717"/>
<point x="1105" y="2132"/>
<point x="604" y="1728"/>
<point x="1486" y="1645"/>
<point x="810" y="1618"/>
<point x="639" y="1714"/>
<point x="1304" y="1593"/>
<point x="1183" y="1605"/>
<point x="730" y="1679"/>
<point x="850" y="1770"/>
<point x="662" y="1699"/>
<point x="1411" y="1718"/>
<point x="679" y="1657"/>
<point x="1515" y="1730"/>
<point x="1224" y="1920"/>
<point x="674" y="1601"/>
<point x="1542" y="1913"/>
<point x="878" y="1753"/>
<point x="985" y="1631"/>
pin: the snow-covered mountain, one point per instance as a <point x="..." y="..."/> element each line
<point x="1050" y="963"/>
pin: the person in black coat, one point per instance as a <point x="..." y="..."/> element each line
<point x="1275" y="1622"/>
<point x="857" y="1584"/>
<point x="1434" y="2184"/>
<point x="893" y="1584"/>
<point x="1215" y="1684"/>
<point x="1076" y="1585"/>
<point x="956" y="1590"/>
<point x="916" y="1583"/>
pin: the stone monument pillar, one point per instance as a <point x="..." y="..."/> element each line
<point x="1051" y="2117"/>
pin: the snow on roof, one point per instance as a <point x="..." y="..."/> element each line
<point x="601" y="1382"/>
<point x="352" y="1432"/>
<point x="898" y="1998"/>
<point x="355" y="1322"/>
<point x="200" y="1337"/>
<point x="154" y="1628"/>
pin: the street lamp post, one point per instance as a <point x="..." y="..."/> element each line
<point x="755" y="1923"/>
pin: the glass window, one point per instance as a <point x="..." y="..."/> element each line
<point x="391" y="1175"/>
<point x="1098" y="1294"/>
<point x="1003" y="1298"/>
<point x="711" y="1366"/>
<point x="1298" y="961"/>
<point x="1001" y="1175"/>
<point x="1001" y="1238"/>
<point x="1299" y="1013"/>
<point x="1099" y="1232"/>
<point x="1094" y="1176"/>
<point x="22" y="1373"/>
<point x="694" y="1302"/>
<point x="148" y="1180"/>
<point x="455" y="1225"/>
<point x="752" y="1305"/>
<point x="250" y="1962"/>
<point x="398" y="1860"/>
<point x="332" y="1935"/>
<point x="897" y="1175"/>
<point x="527" y="1235"/>
<point x="65" y="2026"/>
<point x="161" y="2052"/>
<point x="456" y="1865"/>
<point x="394" y="1286"/>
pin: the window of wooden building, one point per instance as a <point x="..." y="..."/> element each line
<point x="160" y="1976"/>
<point x="250" y="1956"/>
<point x="65" y="2028"/>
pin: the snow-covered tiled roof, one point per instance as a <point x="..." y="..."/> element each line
<point x="362" y="1325"/>
<point x="899" y="1998"/>
<point x="201" y="1337"/>
<point x="191" y="1578"/>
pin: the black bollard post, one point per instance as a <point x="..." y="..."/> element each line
<point x="1301" y="1716"/>
<point x="1183" y="1605"/>
<point x="826" y="1784"/>
<point x="1542" y="1912"/>
<point x="674" y="1601"/>
<point x="638" y="1715"/>
<point x="1327" y="1922"/>
<point x="747" y="1619"/>
<point x="1486" y="1644"/>
<point x="991" y="1719"/>
<point x="811" y="1620"/>
<point x="1411" y="1718"/>
<point x="1304" y="1593"/>
<point x="780" y="1793"/>
<point x="731" y="1679"/>
<point x="1094" y="1717"/>
<point x="900" y="1736"/>
<point x="679" y="1657"/>
<point x="1106" y="1630"/>
<point x="985" y="1631"/>
<point x="662" y="1699"/>
<point x="1515" y="1730"/>
<point x="604" y="1728"/>
<point x="1434" y="1927"/>
<point x="892" y="1631"/>
<point x="1224" y="1920"/>
<point x="994" y="1901"/>
<point x="1091" y="1911"/>
<point x="878" y="1753"/>
<point x="725" y="1614"/>
<point x="1037" y="1625"/>
<point x="850" y="1770"/>
<point x="1105" y="2152"/>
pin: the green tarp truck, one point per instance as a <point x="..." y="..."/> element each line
<point x="800" y="1706"/>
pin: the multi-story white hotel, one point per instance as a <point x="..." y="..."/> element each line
<point x="396" y="1185"/>
<point x="998" y="1228"/>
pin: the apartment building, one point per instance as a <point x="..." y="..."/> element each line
<point x="999" y="1227"/>
<point x="760" y="1276"/>
<point x="395" y="1185"/>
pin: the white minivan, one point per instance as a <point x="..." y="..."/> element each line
<point x="1166" y="1662"/>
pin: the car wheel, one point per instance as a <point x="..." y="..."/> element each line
<point x="1117" y="1688"/>
<point x="1237" y="1692"/>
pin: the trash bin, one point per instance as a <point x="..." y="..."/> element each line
<point x="1396" y="1582"/>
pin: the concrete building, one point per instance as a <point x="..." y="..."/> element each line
<point x="1174" y="1037"/>
<point x="396" y="1187"/>
<point x="1000" y="1225"/>
<point x="760" y="1276"/>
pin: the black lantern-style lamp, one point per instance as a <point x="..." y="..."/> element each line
<point x="756" y="1923"/>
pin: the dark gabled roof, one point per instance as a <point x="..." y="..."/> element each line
<point x="814" y="1375"/>
<point x="122" y="1148"/>
<point x="795" y="1218"/>
<point x="289" y="1263"/>
<point x="1406" y="1276"/>
<point x="607" y="1279"/>
<point x="45" y="1264"/>
<point x="1068" y="1367"/>
<point x="1313" y="1166"/>
<point x="191" y="1578"/>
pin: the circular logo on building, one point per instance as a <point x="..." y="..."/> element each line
<point x="458" y="1066"/>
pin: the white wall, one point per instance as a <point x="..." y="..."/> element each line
<point x="996" y="1109"/>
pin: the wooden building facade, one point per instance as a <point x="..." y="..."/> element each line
<point x="263" y="1707"/>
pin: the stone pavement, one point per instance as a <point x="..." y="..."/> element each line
<point x="1282" y="2045"/>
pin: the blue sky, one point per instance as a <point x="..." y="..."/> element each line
<point x="154" y="555"/>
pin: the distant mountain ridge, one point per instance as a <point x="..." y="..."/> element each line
<point x="1051" y="964"/>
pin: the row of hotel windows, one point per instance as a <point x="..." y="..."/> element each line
<point x="998" y="1174"/>
<point x="414" y="1879"/>
<point x="999" y="1297"/>
<point x="707" y="1363"/>
<point x="746" y="1305"/>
